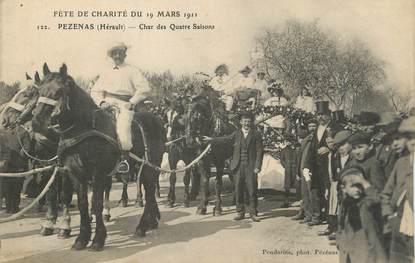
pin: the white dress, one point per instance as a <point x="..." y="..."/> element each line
<point x="305" y="103"/>
<point x="279" y="120"/>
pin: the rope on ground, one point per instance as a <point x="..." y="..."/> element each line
<point x="190" y="165"/>
<point x="28" y="173"/>
<point x="34" y="202"/>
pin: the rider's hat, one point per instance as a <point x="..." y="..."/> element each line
<point x="117" y="46"/>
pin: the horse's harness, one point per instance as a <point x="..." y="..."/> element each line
<point x="24" y="110"/>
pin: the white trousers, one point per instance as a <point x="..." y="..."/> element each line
<point x="123" y="123"/>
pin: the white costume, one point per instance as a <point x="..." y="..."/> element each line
<point x="127" y="81"/>
<point x="277" y="121"/>
<point x="240" y="83"/>
<point x="223" y="85"/>
<point x="305" y="103"/>
<point x="261" y="85"/>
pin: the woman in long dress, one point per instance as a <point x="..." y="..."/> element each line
<point x="305" y="102"/>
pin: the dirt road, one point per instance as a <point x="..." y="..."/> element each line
<point x="182" y="236"/>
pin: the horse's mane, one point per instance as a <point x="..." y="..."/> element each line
<point x="81" y="104"/>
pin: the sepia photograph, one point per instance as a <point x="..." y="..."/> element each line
<point x="207" y="131"/>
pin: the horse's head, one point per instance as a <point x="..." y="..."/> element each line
<point x="199" y="119"/>
<point x="53" y="104"/>
<point x="19" y="109"/>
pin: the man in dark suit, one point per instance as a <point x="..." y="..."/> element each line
<point x="316" y="166"/>
<point x="245" y="164"/>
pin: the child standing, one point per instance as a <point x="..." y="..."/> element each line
<point x="359" y="237"/>
<point x="397" y="200"/>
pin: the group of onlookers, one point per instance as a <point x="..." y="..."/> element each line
<point x="357" y="177"/>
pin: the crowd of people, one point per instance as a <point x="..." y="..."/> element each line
<point x="355" y="175"/>
<point x="358" y="179"/>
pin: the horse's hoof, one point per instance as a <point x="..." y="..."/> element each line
<point x="46" y="231"/>
<point x="201" y="211"/>
<point x="123" y="203"/>
<point x="97" y="246"/>
<point x="107" y="218"/>
<point x="139" y="233"/>
<point x="64" y="233"/>
<point x="79" y="245"/>
<point x="139" y="204"/>
<point x="154" y="225"/>
<point x="217" y="211"/>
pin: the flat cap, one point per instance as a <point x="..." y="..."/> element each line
<point x="342" y="136"/>
<point x="368" y="118"/>
<point x="360" y="138"/>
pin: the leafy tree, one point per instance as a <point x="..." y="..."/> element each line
<point x="302" y="54"/>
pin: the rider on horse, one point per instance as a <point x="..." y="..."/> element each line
<point x="121" y="86"/>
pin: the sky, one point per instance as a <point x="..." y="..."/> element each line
<point x="387" y="26"/>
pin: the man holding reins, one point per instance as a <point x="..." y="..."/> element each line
<point x="121" y="86"/>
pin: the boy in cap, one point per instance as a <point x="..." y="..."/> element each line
<point x="364" y="157"/>
<point x="359" y="238"/>
<point x="337" y="162"/>
<point x="397" y="200"/>
<point x="122" y="86"/>
<point x="245" y="164"/>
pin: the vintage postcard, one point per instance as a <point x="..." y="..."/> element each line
<point x="207" y="131"/>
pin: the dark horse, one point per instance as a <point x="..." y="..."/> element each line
<point x="39" y="150"/>
<point x="178" y="150"/>
<point x="12" y="160"/>
<point x="89" y="152"/>
<point x="206" y="117"/>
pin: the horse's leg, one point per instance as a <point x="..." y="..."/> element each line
<point x="158" y="195"/>
<point x="52" y="210"/>
<point x="186" y="181"/>
<point x="41" y="183"/>
<point x="67" y="192"/>
<point x="97" y="206"/>
<point x="172" y="189"/>
<point x="139" y="201"/>
<point x="204" y="186"/>
<point x="233" y="186"/>
<point x="151" y="214"/>
<point x="195" y="178"/>
<point x="174" y="156"/>
<point x="85" y="230"/>
<point x="107" y="205"/>
<point x="217" y="211"/>
<point x="124" y="196"/>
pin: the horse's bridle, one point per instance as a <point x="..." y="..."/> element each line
<point x="54" y="103"/>
<point x="23" y="109"/>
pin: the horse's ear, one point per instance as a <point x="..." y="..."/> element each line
<point x="28" y="77"/>
<point x="37" y="78"/>
<point x="46" y="70"/>
<point x="63" y="71"/>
